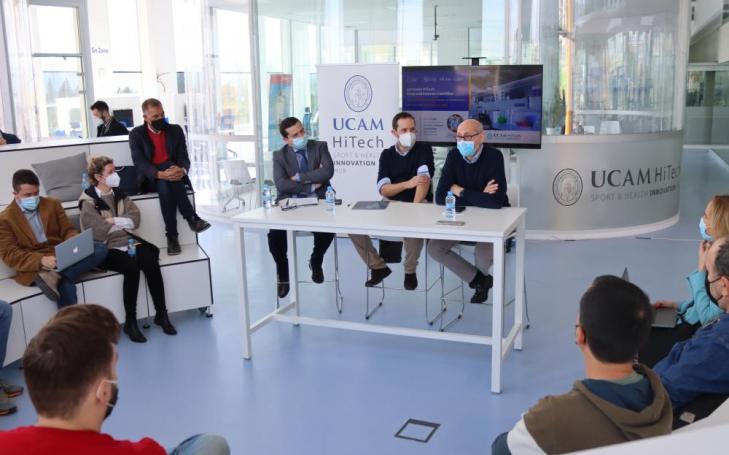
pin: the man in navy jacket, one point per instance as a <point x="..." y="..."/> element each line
<point x="159" y="152"/>
<point x="474" y="173"/>
<point x="700" y="365"/>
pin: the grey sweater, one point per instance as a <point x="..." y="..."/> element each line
<point x="111" y="234"/>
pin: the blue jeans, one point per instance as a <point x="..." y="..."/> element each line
<point x="67" y="285"/>
<point x="202" y="444"/>
<point x="6" y="315"/>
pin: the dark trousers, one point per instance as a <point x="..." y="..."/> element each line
<point x="145" y="261"/>
<point x="67" y="285"/>
<point x="278" y="246"/>
<point x="661" y="340"/>
<point x="173" y="196"/>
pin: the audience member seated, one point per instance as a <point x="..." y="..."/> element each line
<point x="108" y="125"/>
<point x="7" y="391"/>
<point x="30" y="229"/>
<point x="701" y="308"/>
<point x="700" y="366"/>
<point x="7" y="138"/>
<point x="70" y="370"/>
<point x="404" y="175"/>
<point x="159" y="152"/>
<point x="474" y="173"/>
<point x="302" y="168"/>
<point x="619" y="401"/>
<point x="110" y="213"/>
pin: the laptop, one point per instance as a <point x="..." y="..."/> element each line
<point x="75" y="249"/>
<point x="663" y="318"/>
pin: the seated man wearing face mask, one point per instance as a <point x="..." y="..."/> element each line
<point x="70" y="368"/>
<point x="474" y="173"/>
<point x="302" y="168"/>
<point x="30" y="229"/>
<point x="159" y="152"/>
<point x="405" y="172"/>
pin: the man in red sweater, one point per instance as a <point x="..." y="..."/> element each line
<point x="70" y="370"/>
<point x="159" y="152"/>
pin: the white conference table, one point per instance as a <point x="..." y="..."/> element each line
<point x="398" y="220"/>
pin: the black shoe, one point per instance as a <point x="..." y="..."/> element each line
<point x="317" y="274"/>
<point x="482" y="286"/>
<point x="132" y="329"/>
<point x="282" y="289"/>
<point x="173" y="246"/>
<point x="411" y="281"/>
<point x="197" y="224"/>
<point x="163" y="321"/>
<point x="377" y="276"/>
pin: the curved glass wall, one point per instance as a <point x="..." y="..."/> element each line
<point x="617" y="66"/>
<point x="611" y="66"/>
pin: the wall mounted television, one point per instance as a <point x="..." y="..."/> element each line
<point x="506" y="99"/>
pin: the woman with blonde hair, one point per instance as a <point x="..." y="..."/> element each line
<point x="701" y="308"/>
<point x="110" y="214"/>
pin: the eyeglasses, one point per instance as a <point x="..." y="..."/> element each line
<point x="466" y="137"/>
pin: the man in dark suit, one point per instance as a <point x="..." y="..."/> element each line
<point x="159" y="152"/>
<point x="7" y="138"/>
<point x="109" y="126"/>
<point x="302" y="168"/>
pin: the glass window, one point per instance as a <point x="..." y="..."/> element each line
<point x="58" y="71"/>
<point x="60" y="91"/>
<point x="232" y="57"/>
<point x="54" y="29"/>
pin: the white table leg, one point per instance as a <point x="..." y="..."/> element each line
<point x="519" y="290"/>
<point x="497" y="322"/>
<point x="244" y="309"/>
<point x="293" y="276"/>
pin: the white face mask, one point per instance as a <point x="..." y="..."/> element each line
<point x="98" y="121"/>
<point x="113" y="180"/>
<point x="406" y="140"/>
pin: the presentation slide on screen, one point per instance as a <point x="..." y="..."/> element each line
<point x="506" y="99"/>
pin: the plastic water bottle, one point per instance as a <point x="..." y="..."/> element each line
<point x="267" y="198"/>
<point x="331" y="199"/>
<point x="84" y="182"/>
<point x="131" y="248"/>
<point x="450" y="206"/>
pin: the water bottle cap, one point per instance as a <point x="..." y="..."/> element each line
<point x="329" y="188"/>
<point x="450" y="193"/>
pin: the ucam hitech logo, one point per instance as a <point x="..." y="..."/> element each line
<point x="358" y="93"/>
<point x="567" y="187"/>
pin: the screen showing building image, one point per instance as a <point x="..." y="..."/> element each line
<point x="506" y="99"/>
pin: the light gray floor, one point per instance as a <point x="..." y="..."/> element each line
<point x="321" y="391"/>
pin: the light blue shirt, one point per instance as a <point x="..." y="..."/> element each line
<point x="35" y="222"/>
<point x="475" y="157"/>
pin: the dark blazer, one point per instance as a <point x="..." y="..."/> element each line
<point x="142" y="150"/>
<point x="116" y="128"/>
<point x="10" y="138"/>
<point x="285" y="166"/>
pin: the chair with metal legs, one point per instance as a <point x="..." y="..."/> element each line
<point x="445" y="293"/>
<point x="338" y="297"/>
<point x="428" y="286"/>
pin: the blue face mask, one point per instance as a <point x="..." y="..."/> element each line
<point x="30" y="203"/>
<point x="702" y="231"/>
<point x="466" y="148"/>
<point x="299" y="143"/>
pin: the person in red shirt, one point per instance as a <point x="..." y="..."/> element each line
<point x="159" y="152"/>
<point x="70" y="371"/>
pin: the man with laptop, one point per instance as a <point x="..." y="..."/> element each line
<point x="38" y="241"/>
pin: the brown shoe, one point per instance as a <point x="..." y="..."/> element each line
<point x="47" y="281"/>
